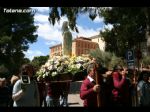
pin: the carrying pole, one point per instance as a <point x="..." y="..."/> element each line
<point x="97" y="82"/>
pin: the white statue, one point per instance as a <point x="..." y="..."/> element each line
<point x="67" y="40"/>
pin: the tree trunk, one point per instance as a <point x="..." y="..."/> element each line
<point x="147" y="33"/>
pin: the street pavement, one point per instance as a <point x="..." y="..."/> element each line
<point x="74" y="100"/>
<point x="74" y="96"/>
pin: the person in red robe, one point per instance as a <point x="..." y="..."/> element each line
<point x="89" y="89"/>
<point x="121" y="92"/>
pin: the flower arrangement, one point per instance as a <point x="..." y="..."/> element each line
<point x="63" y="64"/>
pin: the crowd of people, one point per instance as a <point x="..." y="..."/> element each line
<point x="102" y="87"/>
<point x="17" y="93"/>
<point x="118" y="87"/>
<point x="25" y="90"/>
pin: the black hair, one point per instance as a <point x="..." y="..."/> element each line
<point x="142" y="75"/>
<point x="145" y="74"/>
<point x="23" y="68"/>
<point x="117" y="67"/>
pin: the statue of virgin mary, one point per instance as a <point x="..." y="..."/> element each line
<point x="67" y="40"/>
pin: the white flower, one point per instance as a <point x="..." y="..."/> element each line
<point x="50" y="67"/>
<point x="63" y="64"/>
<point x="46" y="74"/>
<point x="43" y="75"/>
<point x="54" y="73"/>
<point x="79" y="65"/>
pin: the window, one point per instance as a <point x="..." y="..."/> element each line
<point x="78" y="44"/>
<point x="81" y="44"/>
<point x="79" y="52"/>
<point x="82" y="51"/>
<point x="94" y="46"/>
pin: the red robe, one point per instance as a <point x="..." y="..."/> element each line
<point x="87" y="94"/>
<point x="121" y="89"/>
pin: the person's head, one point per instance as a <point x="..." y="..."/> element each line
<point x="94" y="60"/>
<point x="145" y="76"/>
<point x="65" y="26"/>
<point x="117" y="68"/>
<point x="91" y="70"/>
<point x="97" y="62"/>
<point x="27" y="69"/>
<point x="2" y="82"/>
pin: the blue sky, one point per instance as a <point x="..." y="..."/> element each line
<point x="49" y="35"/>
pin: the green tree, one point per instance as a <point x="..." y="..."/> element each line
<point x="131" y="25"/>
<point x="129" y="28"/>
<point x="146" y="11"/>
<point x="72" y="14"/>
<point x="116" y="61"/>
<point x="101" y="56"/>
<point x="38" y="61"/>
<point x="107" y="59"/>
<point x="26" y="60"/>
<point x="17" y="30"/>
<point x="3" y="71"/>
<point x="146" y="61"/>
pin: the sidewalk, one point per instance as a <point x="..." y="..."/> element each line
<point x="74" y="96"/>
<point x="74" y="100"/>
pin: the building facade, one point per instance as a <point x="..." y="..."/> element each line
<point x="98" y="40"/>
<point x="83" y="46"/>
<point x="80" y="46"/>
<point x="56" y="50"/>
